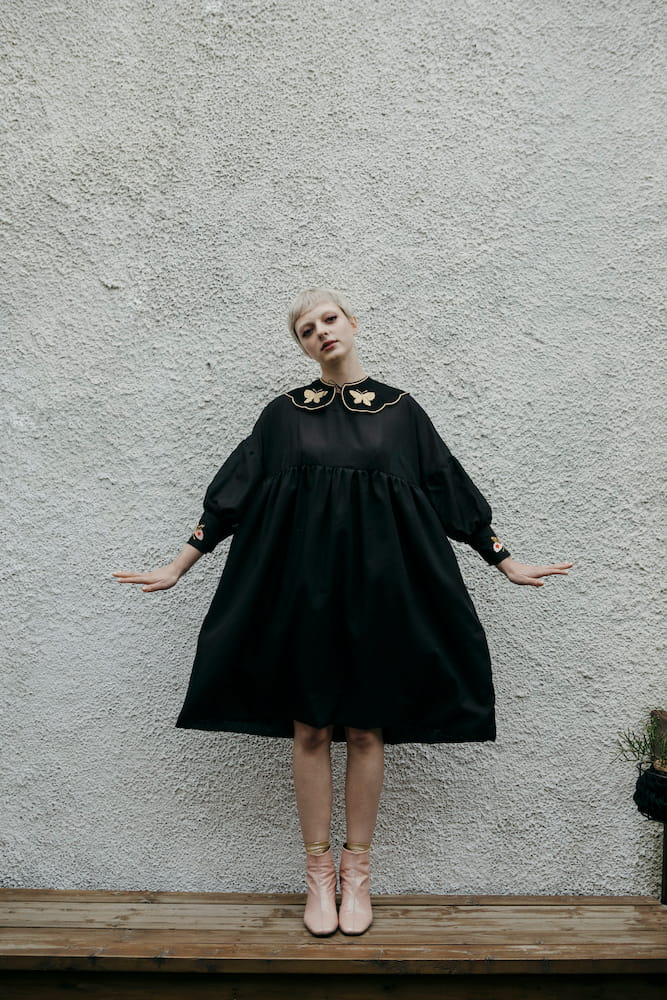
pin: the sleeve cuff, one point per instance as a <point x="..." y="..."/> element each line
<point x="196" y="543"/>
<point x="206" y="534"/>
<point x="489" y="546"/>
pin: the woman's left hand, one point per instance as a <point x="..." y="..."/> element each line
<point x="522" y="573"/>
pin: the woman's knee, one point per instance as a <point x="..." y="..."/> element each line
<point x="363" y="739"/>
<point x="310" y="737"/>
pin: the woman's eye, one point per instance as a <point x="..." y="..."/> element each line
<point x="304" y="333"/>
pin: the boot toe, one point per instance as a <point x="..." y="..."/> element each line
<point x="355" y="924"/>
<point x="319" y="929"/>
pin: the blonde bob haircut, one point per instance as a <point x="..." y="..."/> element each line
<point x="310" y="297"/>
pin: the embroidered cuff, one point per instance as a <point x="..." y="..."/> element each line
<point x="489" y="546"/>
<point x="206" y="534"/>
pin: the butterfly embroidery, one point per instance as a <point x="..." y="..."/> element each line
<point x="313" y="395"/>
<point x="199" y="531"/>
<point x="497" y="544"/>
<point x="362" y="397"/>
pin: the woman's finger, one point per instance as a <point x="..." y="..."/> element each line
<point x="530" y="575"/>
<point x="550" y="568"/>
<point x="134" y="572"/>
<point x="141" y="579"/>
<point x="523" y="579"/>
<point x="554" y="569"/>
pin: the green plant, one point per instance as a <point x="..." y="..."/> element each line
<point x="648" y="745"/>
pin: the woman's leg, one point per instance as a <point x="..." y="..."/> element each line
<point x="363" y="786"/>
<point x="313" y="784"/>
<point x="363" y="783"/>
<point x="311" y="761"/>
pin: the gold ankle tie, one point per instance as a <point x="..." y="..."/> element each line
<point x="318" y="847"/>
<point x="351" y="846"/>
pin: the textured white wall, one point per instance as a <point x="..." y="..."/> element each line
<point x="483" y="178"/>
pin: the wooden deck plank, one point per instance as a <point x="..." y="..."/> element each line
<point x="13" y="894"/>
<point x="60" y="908"/>
<point x="208" y="944"/>
<point x="238" y="933"/>
<point x="411" y="924"/>
<point x="139" y="950"/>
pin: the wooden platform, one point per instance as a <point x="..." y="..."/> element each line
<point x="105" y="944"/>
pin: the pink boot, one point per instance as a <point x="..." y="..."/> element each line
<point x="320" y="915"/>
<point x="355" y="915"/>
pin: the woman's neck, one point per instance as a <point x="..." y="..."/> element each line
<point x="345" y="371"/>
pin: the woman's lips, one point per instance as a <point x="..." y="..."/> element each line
<point x="329" y="343"/>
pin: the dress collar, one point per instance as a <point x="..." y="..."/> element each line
<point x="364" y="395"/>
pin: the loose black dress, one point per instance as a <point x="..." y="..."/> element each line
<point x="341" y="601"/>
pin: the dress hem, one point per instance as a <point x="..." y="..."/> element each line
<point x="392" y="734"/>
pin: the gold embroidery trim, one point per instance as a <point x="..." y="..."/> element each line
<point x="362" y="397"/>
<point x="313" y="395"/>
<point x="353" y="409"/>
<point x="317" y="391"/>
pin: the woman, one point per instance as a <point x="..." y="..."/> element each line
<point x="341" y="613"/>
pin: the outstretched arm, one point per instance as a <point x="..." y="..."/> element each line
<point x="522" y="573"/>
<point x="224" y="503"/>
<point x="165" y="577"/>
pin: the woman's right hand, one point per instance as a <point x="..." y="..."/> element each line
<point x="156" y="579"/>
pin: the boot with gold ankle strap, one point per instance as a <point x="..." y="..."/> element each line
<point x="355" y="914"/>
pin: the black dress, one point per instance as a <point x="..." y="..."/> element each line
<point x="341" y="601"/>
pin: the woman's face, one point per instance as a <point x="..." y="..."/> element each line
<point x="325" y="333"/>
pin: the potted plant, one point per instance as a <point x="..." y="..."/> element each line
<point x="648" y="748"/>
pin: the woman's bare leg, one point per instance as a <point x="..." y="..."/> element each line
<point x="313" y="783"/>
<point x="363" y="782"/>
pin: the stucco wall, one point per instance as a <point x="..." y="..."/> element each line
<point x="483" y="179"/>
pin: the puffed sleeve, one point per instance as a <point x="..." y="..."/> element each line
<point x="464" y="513"/>
<point x="229" y="494"/>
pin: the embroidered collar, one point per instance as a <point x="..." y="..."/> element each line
<point x="365" y="395"/>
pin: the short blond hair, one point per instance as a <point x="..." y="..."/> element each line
<point x="310" y="297"/>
